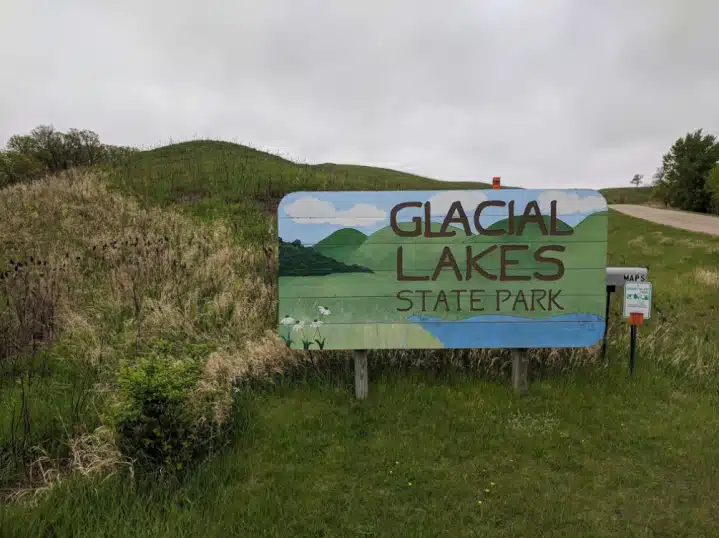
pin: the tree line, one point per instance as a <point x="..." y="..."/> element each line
<point x="688" y="177"/>
<point x="46" y="150"/>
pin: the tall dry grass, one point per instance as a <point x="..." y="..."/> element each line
<point x="101" y="278"/>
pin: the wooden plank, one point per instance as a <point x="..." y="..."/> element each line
<point x="491" y="268"/>
<point x="520" y="371"/>
<point x="361" y="375"/>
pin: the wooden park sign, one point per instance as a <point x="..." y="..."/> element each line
<point x="497" y="268"/>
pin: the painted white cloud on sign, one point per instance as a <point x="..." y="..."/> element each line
<point x="470" y="200"/>
<point x="570" y="203"/>
<point x="310" y="210"/>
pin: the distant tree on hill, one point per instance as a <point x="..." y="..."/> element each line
<point x="637" y="180"/>
<point x="685" y="171"/>
<point x="660" y="189"/>
<point x="46" y="150"/>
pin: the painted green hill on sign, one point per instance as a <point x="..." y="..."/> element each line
<point x="341" y="244"/>
<point x="298" y="260"/>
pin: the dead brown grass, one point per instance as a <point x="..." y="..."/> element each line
<point x="91" y="454"/>
<point x="119" y="277"/>
<point x="707" y="277"/>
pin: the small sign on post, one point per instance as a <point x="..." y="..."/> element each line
<point x="495" y="182"/>
<point x="637" y="307"/>
<point x="638" y="299"/>
<point x="617" y="277"/>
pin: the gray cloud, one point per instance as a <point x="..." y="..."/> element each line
<point x="546" y="94"/>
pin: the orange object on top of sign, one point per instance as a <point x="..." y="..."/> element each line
<point x="495" y="182"/>
<point x="636" y="318"/>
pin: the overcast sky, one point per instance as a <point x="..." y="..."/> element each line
<point x="574" y="93"/>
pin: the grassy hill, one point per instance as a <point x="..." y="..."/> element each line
<point x="341" y="244"/>
<point x="161" y="258"/>
<point x="225" y="180"/>
<point x="627" y="195"/>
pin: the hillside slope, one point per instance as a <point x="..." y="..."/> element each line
<point x="222" y="179"/>
<point x="627" y="195"/>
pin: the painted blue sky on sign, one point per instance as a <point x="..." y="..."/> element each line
<point x="312" y="216"/>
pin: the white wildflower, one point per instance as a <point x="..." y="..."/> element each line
<point x="323" y="311"/>
<point x="298" y="326"/>
<point x="288" y="320"/>
<point x="316" y="324"/>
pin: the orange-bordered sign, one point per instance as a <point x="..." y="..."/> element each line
<point x="636" y="318"/>
<point x="495" y="182"/>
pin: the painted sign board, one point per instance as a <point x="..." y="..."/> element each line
<point x="619" y="276"/>
<point x="638" y="299"/>
<point x="492" y="268"/>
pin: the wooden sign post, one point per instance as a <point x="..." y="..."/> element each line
<point x="495" y="268"/>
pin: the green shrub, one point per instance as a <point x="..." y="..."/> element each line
<point x="162" y="418"/>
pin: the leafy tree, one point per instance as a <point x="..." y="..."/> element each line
<point x="686" y="168"/>
<point x="713" y="186"/>
<point x="637" y="180"/>
<point x="46" y="150"/>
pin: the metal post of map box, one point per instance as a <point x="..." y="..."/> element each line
<point x="632" y="348"/>
<point x="635" y="319"/>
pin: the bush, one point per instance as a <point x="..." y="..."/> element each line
<point x="46" y="151"/>
<point x="162" y="420"/>
<point x="17" y="167"/>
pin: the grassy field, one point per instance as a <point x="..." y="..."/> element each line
<point x="442" y="447"/>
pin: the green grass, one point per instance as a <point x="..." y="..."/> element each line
<point x="627" y="195"/>
<point x="589" y="453"/>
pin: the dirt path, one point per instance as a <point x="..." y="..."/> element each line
<point x="693" y="222"/>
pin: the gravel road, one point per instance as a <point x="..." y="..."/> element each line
<point x="678" y="219"/>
